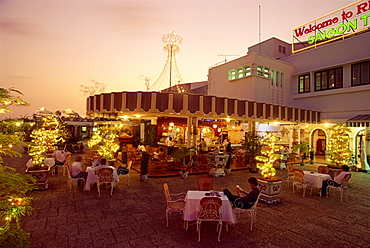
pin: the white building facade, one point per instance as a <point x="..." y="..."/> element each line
<point x="332" y="77"/>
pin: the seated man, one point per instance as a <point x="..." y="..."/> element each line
<point x="336" y="181"/>
<point x="103" y="164"/>
<point x="245" y="201"/>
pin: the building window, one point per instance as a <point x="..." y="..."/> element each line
<point x="239" y="72"/>
<point x="246" y="71"/>
<point x="263" y="71"/>
<point x="282" y="49"/>
<point x="304" y="83"/>
<point x="329" y="79"/>
<point x="361" y="73"/>
<point x="232" y="74"/>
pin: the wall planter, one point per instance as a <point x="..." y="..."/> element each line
<point x="41" y="176"/>
<point x="272" y="189"/>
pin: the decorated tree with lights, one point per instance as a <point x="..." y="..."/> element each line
<point x="269" y="154"/>
<point x="15" y="198"/>
<point x="105" y="142"/>
<point x="8" y="98"/>
<point x="15" y="202"/>
<point x="44" y="138"/>
<point x="339" y="146"/>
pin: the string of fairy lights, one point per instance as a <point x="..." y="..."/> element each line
<point x="105" y="142"/>
<point x="44" y="138"/>
<point x="270" y="153"/>
<point x="339" y="147"/>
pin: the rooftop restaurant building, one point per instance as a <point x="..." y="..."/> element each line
<point x="321" y="78"/>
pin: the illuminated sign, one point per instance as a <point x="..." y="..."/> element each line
<point x="346" y="21"/>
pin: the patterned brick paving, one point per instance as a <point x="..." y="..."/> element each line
<point x="134" y="216"/>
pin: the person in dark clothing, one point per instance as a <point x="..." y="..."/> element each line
<point x="247" y="201"/>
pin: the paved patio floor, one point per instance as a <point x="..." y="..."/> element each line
<point x="134" y="216"/>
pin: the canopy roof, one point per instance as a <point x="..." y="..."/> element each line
<point x="156" y="104"/>
<point x="359" y="121"/>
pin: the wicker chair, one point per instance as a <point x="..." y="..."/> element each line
<point x="341" y="188"/>
<point x="299" y="181"/>
<point x="252" y="211"/>
<point x="71" y="179"/>
<point x="105" y="175"/>
<point x="323" y="169"/>
<point x="64" y="165"/>
<point x="133" y="156"/>
<point x="120" y="175"/>
<point x="175" y="202"/>
<point x="209" y="209"/>
<point x="290" y="177"/>
<point x="205" y="183"/>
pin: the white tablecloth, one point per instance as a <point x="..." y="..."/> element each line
<point x="92" y="178"/>
<point x="192" y="201"/>
<point x="315" y="178"/>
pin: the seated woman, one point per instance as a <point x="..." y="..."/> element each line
<point x="76" y="170"/>
<point x="158" y="156"/>
<point x="336" y="181"/>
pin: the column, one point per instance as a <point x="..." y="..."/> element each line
<point x="191" y="134"/>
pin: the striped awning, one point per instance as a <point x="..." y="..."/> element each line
<point x="359" y="121"/>
<point x="117" y="104"/>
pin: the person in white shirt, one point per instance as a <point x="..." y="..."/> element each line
<point x="77" y="172"/>
<point x="60" y="158"/>
<point x="169" y="146"/>
<point x="141" y="147"/>
<point x="336" y="181"/>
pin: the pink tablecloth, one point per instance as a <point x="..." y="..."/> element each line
<point x="192" y="201"/>
<point x="315" y="179"/>
<point x="92" y="178"/>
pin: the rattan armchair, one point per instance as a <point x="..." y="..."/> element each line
<point x="299" y="181"/>
<point x="175" y="202"/>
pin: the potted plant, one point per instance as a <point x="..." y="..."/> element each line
<point x="182" y="157"/>
<point x="49" y="133"/>
<point x="270" y="152"/>
<point x="105" y="142"/>
<point x="339" y="147"/>
<point x="144" y="167"/>
<point x="252" y="145"/>
<point x="228" y="165"/>
<point x="304" y="148"/>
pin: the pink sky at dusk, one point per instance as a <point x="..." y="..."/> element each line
<point x="48" y="48"/>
